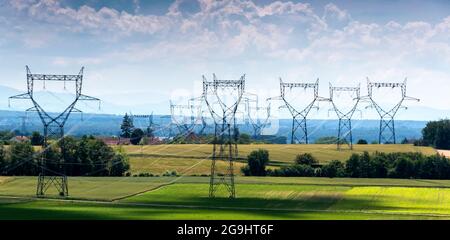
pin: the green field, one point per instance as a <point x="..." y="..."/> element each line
<point x="257" y="198"/>
<point x="186" y="196"/>
<point x="190" y="159"/>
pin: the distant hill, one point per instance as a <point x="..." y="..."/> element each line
<point x="109" y="125"/>
<point x="153" y="101"/>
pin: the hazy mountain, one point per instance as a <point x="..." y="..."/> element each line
<point x="152" y="101"/>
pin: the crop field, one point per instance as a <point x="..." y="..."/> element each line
<point x="193" y="159"/>
<point x="257" y="198"/>
<point x="186" y="196"/>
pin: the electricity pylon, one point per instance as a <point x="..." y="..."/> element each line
<point x="299" y="116"/>
<point x="150" y="131"/>
<point x="345" y="116"/>
<point x="222" y="98"/>
<point x="181" y="117"/>
<point x="253" y="110"/>
<point x="198" y="111"/>
<point x="387" y="124"/>
<point x="53" y="129"/>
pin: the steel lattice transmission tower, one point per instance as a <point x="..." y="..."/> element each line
<point x="150" y="131"/>
<point x="253" y="111"/>
<point x="387" y="124"/>
<point x="223" y="98"/>
<point x="345" y="116"/>
<point x="198" y="112"/>
<point x="299" y="116"/>
<point x="53" y="129"/>
<point x="181" y="117"/>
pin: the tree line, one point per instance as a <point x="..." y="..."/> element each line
<point x="83" y="157"/>
<point x="364" y="165"/>
<point x="436" y="134"/>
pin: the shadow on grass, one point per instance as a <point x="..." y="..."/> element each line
<point x="219" y="208"/>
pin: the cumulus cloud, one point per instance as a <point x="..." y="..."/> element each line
<point x="291" y="35"/>
<point x="88" y="19"/>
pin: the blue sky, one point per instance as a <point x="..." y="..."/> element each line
<point x="160" y="49"/>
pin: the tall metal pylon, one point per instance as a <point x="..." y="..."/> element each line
<point x="299" y="116"/>
<point x="223" y="98"/>
<point x="253" y="116"/>
<point x="345" y="116"/>
<point x="53" y="129"/>
<point x="387" y="124"/>
<point x="181" y="117"/>
<point x="198" y="111"/>
<point x="150" y="125"/>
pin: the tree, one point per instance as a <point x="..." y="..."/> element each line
<point x="37" y="139"/>
<point x="297" y="170"/>
<point x="361" y="141"/>
<point x="101" y="156"/>
<point x="119" y="164"/>
<point x="136" y="136"/>
<point x="244" y="138"/>
<point x="3" y="161"/>
<point x="53" y="158"/>
<point x="127" y="126"/>
<point x="404" y="168"/>
<point x="437" y="134"/>
<point x="334" y="169"/>
<point x="73" y="166"/>
<point x="442" y="139"/>
<point x="257" y="161"/>
<point x="82" y="153"/>
<point x="364" y="165"/>
<point x="22" y="160"/>
<point x="305" y="159"/>
<point x="378" y="166"/>
<point x="352" y="166"/>
<point x="6" y="135"/>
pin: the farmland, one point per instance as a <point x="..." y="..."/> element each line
<point x="257" y="198"/>
<point x="186" y="196"/>
<point x="193" y="159"/>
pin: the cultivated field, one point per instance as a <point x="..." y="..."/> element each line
<point x="186" y="196"/>
<point x="193" y="159"/>
<point x="257" y="198"/>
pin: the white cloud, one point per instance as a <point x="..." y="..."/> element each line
<point x="286" y="36"/>
<point x="333" y="12"/>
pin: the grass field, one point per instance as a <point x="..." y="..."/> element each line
<point x="186" y="196"/>
<point x="257" y="198"/>
<point x="193" y="159"/>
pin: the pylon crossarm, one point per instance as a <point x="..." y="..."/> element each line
<point x="83" y="97"/>
<point x="406" y="98"/>
<point x="21" y="96"/>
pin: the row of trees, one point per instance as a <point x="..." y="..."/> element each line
<point x="365" y="165"/>
<point x="83" y="157"/>
<point x="436" y="134"/>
